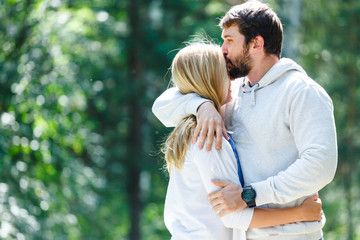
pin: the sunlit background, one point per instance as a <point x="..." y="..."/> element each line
<point x="79" y="146"/>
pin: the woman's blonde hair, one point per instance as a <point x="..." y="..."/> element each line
<point x="198" y="68"/>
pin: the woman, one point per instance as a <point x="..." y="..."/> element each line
<point x="201" y="68"/>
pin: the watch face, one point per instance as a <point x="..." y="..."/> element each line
<point x="248" y="194"/>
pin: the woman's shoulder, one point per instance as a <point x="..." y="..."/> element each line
<point x="226" y="149"/>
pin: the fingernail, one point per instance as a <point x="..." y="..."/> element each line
<point x="208" y="149"/>
<point x="200" y="146"/>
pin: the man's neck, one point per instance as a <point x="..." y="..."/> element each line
<point x="261" y="68"/>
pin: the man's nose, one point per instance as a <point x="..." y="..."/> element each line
<point x="224" y="49"/>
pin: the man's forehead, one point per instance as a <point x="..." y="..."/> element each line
<point x="232" y="31"/>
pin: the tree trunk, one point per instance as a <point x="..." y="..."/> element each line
<point x="134" y="202"/>
<point x="135" y="139"/>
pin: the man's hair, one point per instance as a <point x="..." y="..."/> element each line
<point x="255" y="18"/>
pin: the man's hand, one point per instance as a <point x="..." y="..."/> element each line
<point x="209" y="122"/>
<point x="226" y="200"/>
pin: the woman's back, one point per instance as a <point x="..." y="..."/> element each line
<point x="188" y="214"/>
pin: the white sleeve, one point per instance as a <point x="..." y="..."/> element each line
<point x="313" y="126"/>
<point x="172" y="106"/>
<point x="221" y="164"/>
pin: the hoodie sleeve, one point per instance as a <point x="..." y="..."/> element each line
<point x="312" y="124"/>
<point x="172" y="106"/>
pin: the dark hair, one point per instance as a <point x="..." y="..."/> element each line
<point x="255" y="18"/>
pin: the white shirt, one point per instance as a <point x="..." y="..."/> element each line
<point x="188" y="214"/>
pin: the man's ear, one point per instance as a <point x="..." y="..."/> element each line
<point x="258" y="43"/>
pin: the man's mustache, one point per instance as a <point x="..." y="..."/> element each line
<point x="229" y="64"/>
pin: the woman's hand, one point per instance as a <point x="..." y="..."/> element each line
<point x="311" y="209"/>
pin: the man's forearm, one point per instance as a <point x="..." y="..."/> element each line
<point x="172" y="106"/>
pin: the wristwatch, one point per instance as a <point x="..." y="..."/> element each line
<point x="248" y="195"/>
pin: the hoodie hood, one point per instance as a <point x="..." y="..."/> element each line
<point x="283" y="66"/>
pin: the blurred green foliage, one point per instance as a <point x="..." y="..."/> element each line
<point x="79" y="146"/>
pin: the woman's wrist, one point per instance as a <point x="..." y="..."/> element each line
<point x="300" y="214"/>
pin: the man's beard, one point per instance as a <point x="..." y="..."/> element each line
<point x="241" y="65"/>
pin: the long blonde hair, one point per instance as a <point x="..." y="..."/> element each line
<point x="198" y="68"/>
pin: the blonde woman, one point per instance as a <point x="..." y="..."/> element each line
<point x="200" y="68"/>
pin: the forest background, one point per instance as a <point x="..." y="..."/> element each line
<point x="79" y="146"/>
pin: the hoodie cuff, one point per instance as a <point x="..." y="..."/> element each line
<point x="193" y="105"/>
<point x="239" y="220"/>
<point x="263" y="193"/>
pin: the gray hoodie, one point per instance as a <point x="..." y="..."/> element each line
<point x="285" y="136"/>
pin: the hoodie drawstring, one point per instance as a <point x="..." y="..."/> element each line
<point x="253" y="102"/>
<point x="241" y="92"/>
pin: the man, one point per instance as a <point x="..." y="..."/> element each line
<point x="281" y="121"/>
